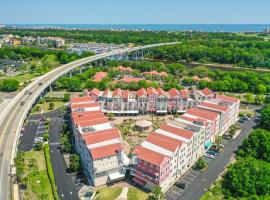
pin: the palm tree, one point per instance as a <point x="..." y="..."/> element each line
<point x="110" y="116"/>
<point x="218" y="141"/>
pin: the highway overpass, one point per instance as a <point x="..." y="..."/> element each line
<point x="13" y="116"/>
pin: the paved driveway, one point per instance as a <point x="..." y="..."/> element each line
<point x="198" y="183"/>
<point x="65" y="185"/>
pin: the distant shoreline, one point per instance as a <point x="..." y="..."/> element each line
<point x="252" y="28"/>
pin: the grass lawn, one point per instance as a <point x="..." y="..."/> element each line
<point x="25" y="77"/>
<point x="136" y="194"/>
<point x="215" y="192"/>
<point x="38" y="184"/>
<point x="109" y="193"/>
<point x="45" y="106"/>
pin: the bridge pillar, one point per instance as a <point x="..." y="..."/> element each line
<point x="51" y="89"/>
<point x="142" y="53"/>
<point x="70" y="74"/>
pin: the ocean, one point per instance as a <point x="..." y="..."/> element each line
<point x="156" y="27"/>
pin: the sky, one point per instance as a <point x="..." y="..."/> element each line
<point x="134" y="11"/>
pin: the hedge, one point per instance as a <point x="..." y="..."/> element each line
<point x="50" y="170"/>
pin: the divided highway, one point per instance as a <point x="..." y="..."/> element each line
<point x="13" y="116"/>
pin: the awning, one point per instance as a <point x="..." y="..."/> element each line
<point x="208" y="144"/>
<point x="116" y="175"/>
<point x="139" y="181"/>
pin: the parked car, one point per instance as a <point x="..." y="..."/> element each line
<point x="180" y="185"/>
<point x="207" y="155"/>
<point x="212" y="152"/>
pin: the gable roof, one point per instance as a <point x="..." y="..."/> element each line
<point x="141" y="92"/>
<point x="149" y="155"/>
<point x="203" y="113"/>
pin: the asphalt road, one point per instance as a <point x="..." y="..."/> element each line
<point x="197" y="186"/>
<point x="65" y="186"/>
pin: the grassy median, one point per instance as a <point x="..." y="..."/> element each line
<point x="35" y="177"/>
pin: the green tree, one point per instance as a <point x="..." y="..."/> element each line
<point x="265" y="118"/>
<point x="200" y="164"/>
<point x="261" y="88"/>
<point x="257" y="145"/>
<point x="66" y="97"/>
<point x="74" y="162"/>
<point x="51" y="105"/>
<point x="156" y="193"/>
<point x="49" y="61"/>
<point x="10" y="85"/>
<point x="249" y="98"/>
<point x="247" y="177"/>
<point x="46" y="136"/>
<point x="259" y="99"/>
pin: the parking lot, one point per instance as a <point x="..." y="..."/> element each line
<point x="176" y="192"/>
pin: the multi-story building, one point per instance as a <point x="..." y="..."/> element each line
<point x="98" y="143"/>
<point x="233" y="103"/>
<point x="168" y="152"/>
<point x="163" y="157"/>
<point x="223" y="112"/>
<point x="173" y="148"/>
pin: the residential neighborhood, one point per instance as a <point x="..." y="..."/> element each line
<point x="168" y="152"/>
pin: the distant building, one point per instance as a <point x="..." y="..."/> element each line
<point x="2" y="26"/>
<point x="267" y="30"/>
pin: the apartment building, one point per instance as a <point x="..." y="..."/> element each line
<point x="143" y="101"/>
<point x="163" y="157"/>
<point x="98" y="142"/>
<point x="233" y="104"/>
<point x="223" y="112"/>
<point x="176" y="146"/>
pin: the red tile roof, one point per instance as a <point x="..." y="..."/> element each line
<point x="148" y="155"/>
<point x="173" y="92"/>
<point x="151" y="91"/>
<point x="163" y="74"/>
<point x="152" y="73"/>
<point x="214" y="106"/>
<point x="106" y="151"/>
<point x="84" y="105"/>
<point x="99" y="76"/>
<point x="84" y="118"/>
<point x="207" y="91"/>
<point x="184" y="93"/>
<point x="101" y="136"/>
<point x="193" y="119"/>
<point x="228" y="98"/>
<point x="177" y="131"/>
<point x="141" y="92"/>
<point x="125" y="94"/>
<point x="130" y="79"/>
<point x="93" y="122"/>
<point x="169" y="145"/>
<point x="161" y="92"/>
<point x="81" y="99"/>
<point x="170" y="139"/>
<point x="202" y="113"/>
<point x="128" y="69"/>
<point x="117" y="92"/>
<point x="94" y="91"/>
<point x="80" y="114"/>
<point x="105" y="93"/>
<point x="196" y="78"/>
